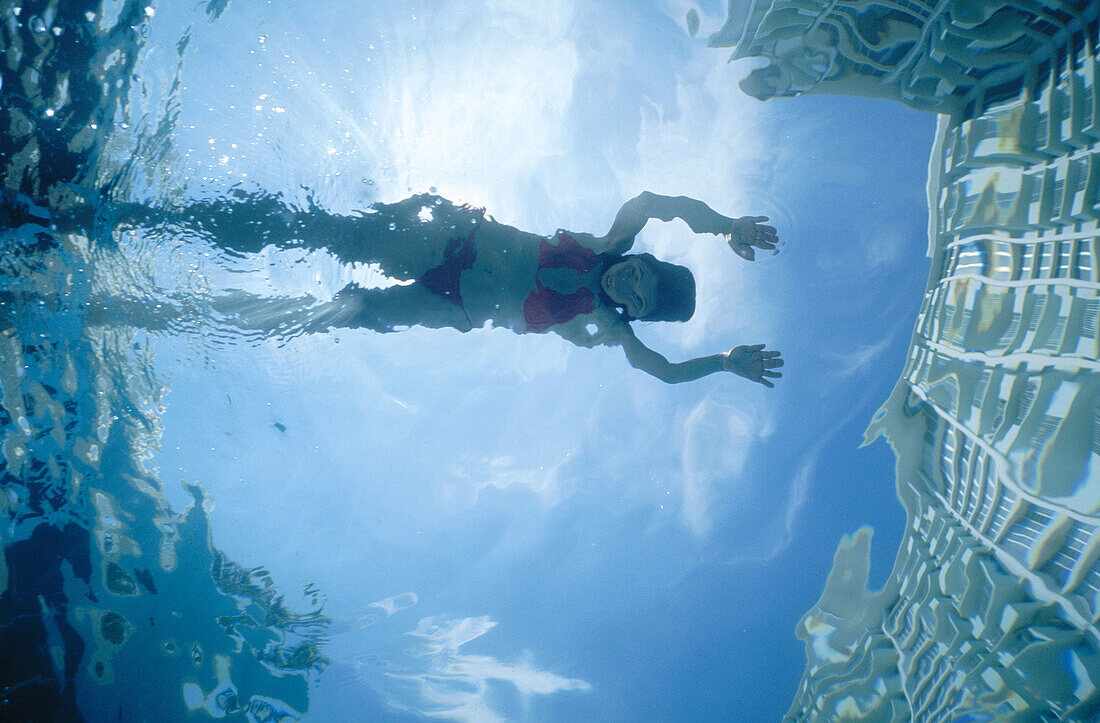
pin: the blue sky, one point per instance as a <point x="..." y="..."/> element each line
<point x="509" y="526"/>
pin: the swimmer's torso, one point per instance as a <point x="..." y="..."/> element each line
<point x="502" y="275"/>
<point x="473" y="270"/>
<point x="527" y="282"/>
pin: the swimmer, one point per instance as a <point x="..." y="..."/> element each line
<point x="457" y="267"/>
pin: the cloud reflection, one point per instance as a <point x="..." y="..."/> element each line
<point x="387" y="607"/>
<point x="446" y="683"/>
<point x="717" y="439"/>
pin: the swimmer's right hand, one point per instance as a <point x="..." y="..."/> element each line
<point x="753" y="363"/>
<point x="749" y="231"/>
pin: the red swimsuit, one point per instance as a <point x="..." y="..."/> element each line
<point x="443" y="279"/>
<point x="545" y="307"/>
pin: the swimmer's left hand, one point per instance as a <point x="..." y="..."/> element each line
<point x="753" y="363"/>
<point x="749" y="231"/>
<point x="601" y="327"/>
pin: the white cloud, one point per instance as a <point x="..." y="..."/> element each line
<point x="884" y="247"/>
<point x="857" y="359"/>
<point x="473" y="109"/>
<point x="716" y="440"/>
<point x="442" y="634"/>
<point x="861" y="358"/>
<point x="387" y="607"/>
<point x="800" y="489"/>
<point x="506" y="472"/>
<point x="527" y="679"/>
<point x="798" y="493"/>
<point x="391" y="605"/>
<point x="443" y="682"/>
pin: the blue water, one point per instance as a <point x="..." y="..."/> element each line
<point x="202" y="516"/>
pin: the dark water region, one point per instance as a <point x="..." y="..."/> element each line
<point x="110" y="601"/>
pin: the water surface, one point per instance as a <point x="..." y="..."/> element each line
<point x="430" y="523"/>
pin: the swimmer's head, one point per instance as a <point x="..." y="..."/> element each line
<point x="650" y="290"/>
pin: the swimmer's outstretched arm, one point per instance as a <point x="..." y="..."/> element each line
<point x="750" y="362"/>
<point x="742" y="234"/>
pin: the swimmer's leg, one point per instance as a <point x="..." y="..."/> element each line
<point x="405" y="239"/>
<point x="240" y="222"/>
<point x="382" y="310"/>
<point x="395" y="308"/>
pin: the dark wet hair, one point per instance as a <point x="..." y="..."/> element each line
<point x="675" y="289"/>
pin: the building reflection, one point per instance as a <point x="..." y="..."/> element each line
<point x="991" y="609"/>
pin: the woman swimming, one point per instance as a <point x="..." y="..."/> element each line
<point x="456" y="267"/>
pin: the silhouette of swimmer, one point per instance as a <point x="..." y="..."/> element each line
<point x="457" y="267"/>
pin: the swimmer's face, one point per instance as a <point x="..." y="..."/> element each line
<point x="631" y="284"/>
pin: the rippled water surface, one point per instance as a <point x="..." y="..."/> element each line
<point x="228" y="491"/>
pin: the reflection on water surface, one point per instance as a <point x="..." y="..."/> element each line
<point x="116" y="597"/>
